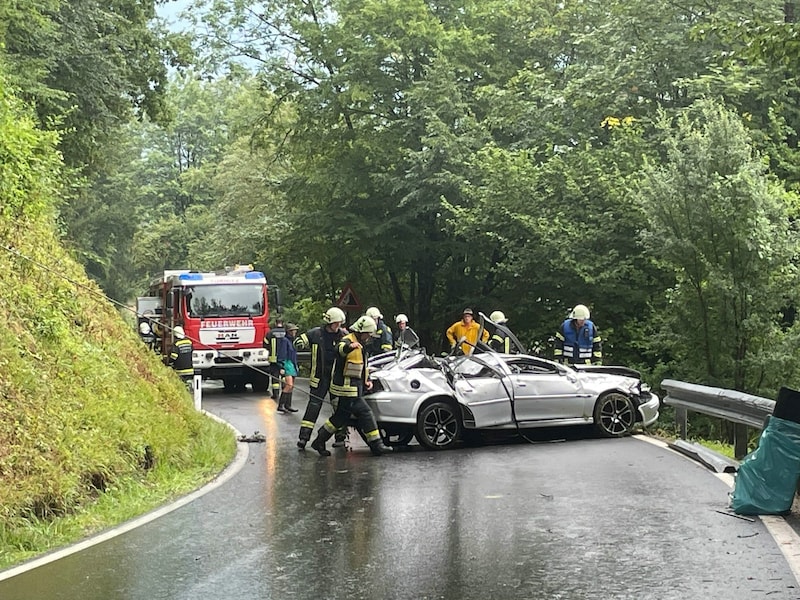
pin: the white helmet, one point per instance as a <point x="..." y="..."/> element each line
<point x="579" y="312"/>
<point x="334" y="315"/>
<point x="498" y="317"/>
<point x="179" y="333"/>
<point x="401" y="318"/>
<point x="144" y="328"/>
<point x="364" y="324"/>
<point x="374" y="312"/>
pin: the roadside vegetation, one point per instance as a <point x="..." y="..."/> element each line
<point x="93" y="428"/>
<point x="637" y="156"/>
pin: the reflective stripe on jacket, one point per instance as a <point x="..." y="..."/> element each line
<point x="500" y="342"/>
<point x="349" y="361"/>
<point x="275" y="334"/>
<point x="323" y="346"/>
<point x="180" y="358"/>
<point x="578" y="346"/>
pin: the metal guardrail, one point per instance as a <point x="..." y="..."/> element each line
<point x="742" y="409"/>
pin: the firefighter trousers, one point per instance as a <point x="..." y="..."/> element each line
<point x="354" y="406"/>
<point x="315" y="399"/>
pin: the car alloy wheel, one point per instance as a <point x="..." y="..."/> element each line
<point x="438" y="426"/>
<point x="614" y="415"/>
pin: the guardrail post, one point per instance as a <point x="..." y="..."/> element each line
<point x="681" y="421"/>
<point x="739" y="441"/>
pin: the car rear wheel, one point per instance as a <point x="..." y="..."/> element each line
<point x="614" y="415"/>
<point x="438" y="426"/>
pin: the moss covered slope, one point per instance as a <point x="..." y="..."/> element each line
<point x="86" y="412"/>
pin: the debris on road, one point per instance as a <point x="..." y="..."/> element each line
<point x="255" y="438"/>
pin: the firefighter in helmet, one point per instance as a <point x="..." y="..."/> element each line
<point x="578" y="341"/>
<point x="322" y="342"/>
<point x="180" y="356"/>
<point x="499" y="342"/>
<point x="406" y="337"/>
<point x="350" y="379"/>
<point x="382" y="341"/>
<point x="146" y="333"/>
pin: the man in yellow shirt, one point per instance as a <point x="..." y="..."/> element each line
<point x="468" y="329"/>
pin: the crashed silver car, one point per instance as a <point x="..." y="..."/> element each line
<point x="441" y="400"/>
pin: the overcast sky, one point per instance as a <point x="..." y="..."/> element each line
<point x="170" y="10"/>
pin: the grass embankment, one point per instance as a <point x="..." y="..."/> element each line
<point x="93" y="428"/>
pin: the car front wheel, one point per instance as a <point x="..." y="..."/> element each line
<point x="614" y="415"/>
<point x="438" y="426"/>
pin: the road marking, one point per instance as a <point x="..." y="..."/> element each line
<point x="785" y="537"/>
<point x="238" y="462"/>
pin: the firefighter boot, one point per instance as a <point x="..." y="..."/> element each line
<point x="282" y="403"/>
<point x="306" y="429"/>
<point x="377" y="448"/>
<point x="323" y="435"/>
<point x="287" y="404"/>
<point x="340" y="439"/>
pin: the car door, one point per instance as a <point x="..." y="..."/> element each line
<point x="480" y="385"/>
<point x="544" y="391"/>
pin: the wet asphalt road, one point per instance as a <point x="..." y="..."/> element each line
<point x="567" y="520"/>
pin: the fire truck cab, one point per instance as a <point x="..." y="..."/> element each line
<point x="226" y="316"/>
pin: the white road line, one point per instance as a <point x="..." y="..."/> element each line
<point x="785" y="537"/>
<point x="231" y="470"/>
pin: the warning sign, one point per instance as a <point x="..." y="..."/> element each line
<point x="348" y="299"/>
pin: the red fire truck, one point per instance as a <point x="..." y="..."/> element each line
<point x="225" y="314"/>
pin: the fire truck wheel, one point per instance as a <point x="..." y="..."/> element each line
<point x="260" y="383"/>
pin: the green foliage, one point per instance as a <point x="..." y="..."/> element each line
<point x="86" y="410"/>
<point x="722" y="224"/>
<point x="443" y="154"/>
<point x="85" y="66"/>
<point x="438" y="155"/>
<point x="29" y="165"/>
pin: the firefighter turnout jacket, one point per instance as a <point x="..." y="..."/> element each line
<point x="323" y="345"/>
<point x="500" y="342"/>
<point x="180" y="357"/>
<point x="383" y="341"/>
<point x="350" y="370"/>
<point x="271" y="342"/>
<point x="578" y="345"/>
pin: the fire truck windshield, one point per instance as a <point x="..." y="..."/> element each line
<point x="225" y="300"/>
